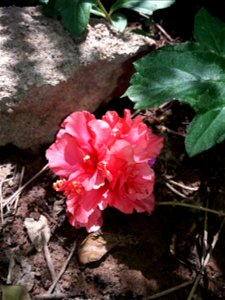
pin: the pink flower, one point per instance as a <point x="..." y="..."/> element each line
<point x="104" y="163"/>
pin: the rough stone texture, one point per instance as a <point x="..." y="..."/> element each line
<point x="45" y="74"/>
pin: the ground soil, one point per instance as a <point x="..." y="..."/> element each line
<point x="151" y="253"/>
<point x="146" y="255"/>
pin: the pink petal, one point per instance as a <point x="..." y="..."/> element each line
<point x="76" y="125"/>
<point x="64" y="156"/>
<point x="100" y="133"/>
<point x="136" y="193"/>
<point x="111" y="117"/>
<point x="104" y="162"/>
<point x="80" y="217"/>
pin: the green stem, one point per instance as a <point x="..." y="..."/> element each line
<point x="106" y="14"/>
<point x="175" y="203"/>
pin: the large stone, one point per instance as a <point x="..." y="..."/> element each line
<point x="45" y="74"/>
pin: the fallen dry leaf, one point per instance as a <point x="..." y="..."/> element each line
<point x="97" y="244"/>
<point x="37" y="230"/>
<point x="93" y="248"/>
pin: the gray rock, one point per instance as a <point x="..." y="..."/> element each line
<point x="45" y="74"/>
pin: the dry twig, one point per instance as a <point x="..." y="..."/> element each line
<point x="52" y="287"/>
<point x="171" y="290"/>
<point x="175" y="190"/>
<point x="192" y="206"/>
<point x="12" y="198"/>
<point x="56" y="296"/>
<point x="167" y="36"/>
<point x="20" y="185"/>
<point x="206" y="260"/>
<point x="48" y="257"/>
<point x="183" y="186"/>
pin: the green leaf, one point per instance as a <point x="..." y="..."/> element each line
<point x="44" y="1"/>
<point x="49" y="9"/>
<point x="193" y="73"/>
<point x="141" y="32"/>
<point x="210" y="32"/>
<point x="75" y="14"/>
<point x="119" y="21"/>
<point x="14" y="292"/>
<point x="97" y="11"/>
<point x="142" y="6"/>
<point x="184" y="72"/>
<point x="205" y="131"/>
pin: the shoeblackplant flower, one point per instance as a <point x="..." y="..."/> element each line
<point x="104" y="162"/>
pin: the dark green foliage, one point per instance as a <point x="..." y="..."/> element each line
<point x="193" y="73"/>
<point x="75" y="14"/>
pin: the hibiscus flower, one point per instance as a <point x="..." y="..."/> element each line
<point x="104" y="162"/>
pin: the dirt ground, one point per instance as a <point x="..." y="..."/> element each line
<point x="161" y="256"/>
<point x="145" y="255"/>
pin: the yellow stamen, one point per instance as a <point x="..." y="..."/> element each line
<point x="77" y="186"/>
<point x="58" y="184"/>
<point x="86" y="157"/>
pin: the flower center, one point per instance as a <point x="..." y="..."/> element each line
<point x="102" y="166"/>
<point x="68" y="186"/>
<point x="88" y="164"/>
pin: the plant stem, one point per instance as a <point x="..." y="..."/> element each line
<point x="106" y="14"/>
<point x="176" y="203"/>
<point x="170" y="290"/>
<point x="205" y="261"/>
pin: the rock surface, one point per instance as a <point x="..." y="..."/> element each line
<point x="45" y="74"/>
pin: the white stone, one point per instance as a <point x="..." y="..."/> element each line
<point x="45" y="74"/>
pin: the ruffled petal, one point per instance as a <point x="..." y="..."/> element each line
<point x="136" y="192"/>
<point x="100" y="133"/>
<point x="81" y="216"/>
<point x="64" y="156"/>
<point x="77" y="125"/>
<point x="104" y="163"/>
